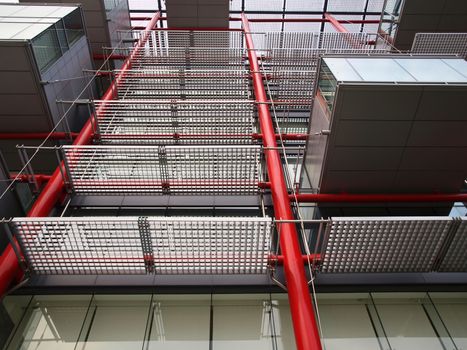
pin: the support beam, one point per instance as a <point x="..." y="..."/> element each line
<point x="99" y="56"/>
<point x="304" y="20"/>
<point x="379" y="198"/>
<point x="38" y="136"/>
<point x="279" y="259"/>
<point x="40" y="178"/>
<point x="335" y="23"/>
<point x="10" y="270"/>
<point x="303" y="318"/>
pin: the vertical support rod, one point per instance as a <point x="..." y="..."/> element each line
<point x="10" y="270"/>
<point x="303" y="318"/>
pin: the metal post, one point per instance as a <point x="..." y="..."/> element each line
<point x="303" y="318"/>
<point x="10" y="271"/>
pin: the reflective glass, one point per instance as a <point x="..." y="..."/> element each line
<point x="180" y="322"/>
<point x="346" y="322"/>
<point x="242" y="322"/>
<point x="405" y="321"/>
<point x="115" y="322"/>
<point x="46" y="48"/>
<point x="51" y="322"/>
<point x="452" y="308"/>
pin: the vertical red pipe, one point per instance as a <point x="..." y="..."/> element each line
<point x="9" y="269"/>
<point x="303" y="318"/>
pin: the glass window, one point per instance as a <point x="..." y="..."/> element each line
<point x="116" y="322"/>
<point x="405" y="321"/>
<point x="51" y="322"/>
<point x="342" y="331"/>
<point x="61" y="36"/>
<point x="452" y="308"/>
<point x="327" y="85"/>
<point x="74" y="26"/>
<point x="46" y="48"/>
<point x="180" y="322"/>
<point x="242" y="322"/>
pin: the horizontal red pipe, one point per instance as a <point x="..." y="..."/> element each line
<point x="188" y="136"/>
<point x="208" y="29"/>
<point x="26" y="177"/>
<point x="99" y="56"/>
<point x="305" y="258"/>
<point x="10" y="270"/>
<point x="38" y="135"/>
<point x="373" y="198"/>
<point x="285" y="136"/>
<point x="280" y="20"/>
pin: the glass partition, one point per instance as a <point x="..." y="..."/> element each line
<point x="46" y="48"/>
<point x="327" y="85"/>
<point x="52" y="43"/>
<point x="74" y="26"/>
<point x="384" y="321"/>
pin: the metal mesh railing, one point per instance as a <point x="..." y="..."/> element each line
<point x="141" y="245"/>
<point x="183" y="84"/>
<point x="384" y="244"/>
<point x="440" y="43"/>
<point x="163" y="169"/>
<point x="164" y="39"/>
<point x="174" y="122"/>
<point x="332" y="42"/>
<point x="187" y="58"/>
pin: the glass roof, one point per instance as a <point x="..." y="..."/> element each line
<point x="287" y="9"/>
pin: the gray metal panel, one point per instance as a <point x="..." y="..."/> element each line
<point x="203" y="13"/>
<point x="429" y="16"/>
<point x="384" y="244"/>
<point x="395" y="139"/>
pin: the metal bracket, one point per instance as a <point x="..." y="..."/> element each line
<point x="146" y="243"/>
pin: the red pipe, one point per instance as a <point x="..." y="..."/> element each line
<point x="335" y="23"/>
<point x="312" y="20"/>
<point x="211" y="29"/>
<point x="38" y="135"/>
<point x="373" y="198"/>
<point x="303" y="318"/>
<point x="285" y="136"/>
<point x="280" y="20"/>
<point x="40" y="178"/>
<point x="10" y="271"/>
<point x="279" y="259"/>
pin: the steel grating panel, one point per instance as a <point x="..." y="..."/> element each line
<point x="440" y="43"/>
<point x="187" y="38"/>
<point x="80" y="245"/>
<point x="189" y="58"/>
<point x="389" y="244"/>
<point x="163" y="169"/>
<point x="331" y="42"/>
<point x="455" y="259"/>
<point x="184" y="84"/>
<point x="142" y="245"/>
<point x="175" y="122"/>
<point x="217" y="245"/>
